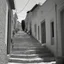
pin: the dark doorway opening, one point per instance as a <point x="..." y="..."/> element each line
<point x="35" y="29"/>
<point x="43" y="32"/>
<point x="9" y="32"/>
<point x="38" y="33"/>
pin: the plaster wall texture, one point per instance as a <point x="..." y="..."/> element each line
<point x="49" y="12"/>
<point x="3" y="57"/>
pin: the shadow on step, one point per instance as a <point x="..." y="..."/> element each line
<point x="45" y="54"/>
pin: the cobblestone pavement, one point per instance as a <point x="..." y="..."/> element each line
<point x="27" y="50"/>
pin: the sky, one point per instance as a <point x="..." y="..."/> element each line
<point x="22" y="7"/>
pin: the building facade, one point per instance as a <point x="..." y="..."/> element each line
<point x="28" y="21"/>
<point x="2" y="31"/>
<point x="47" y="25"/>
<point x="12" y="25"/>
<point x="18" y="26"/>
<point x="29" y="18"/>
<point x="15" y="21"/>
<point x="9" y="24"/>
<point x="5" y="13"/>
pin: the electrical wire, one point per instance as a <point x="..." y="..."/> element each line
<point x="23" y="7"/>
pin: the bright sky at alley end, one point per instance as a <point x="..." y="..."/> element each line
<point x="22" y="6"/>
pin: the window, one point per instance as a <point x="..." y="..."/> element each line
<point x="52" y="29"/>
<point x="52" y="33"/>
<point x="38" y="34"/>
<point x="35" y="29"/>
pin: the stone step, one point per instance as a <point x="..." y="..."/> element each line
<point x="53" y="62"/>
<point x="23" y="56"/>
<point x="20" y="46"/>
<point x="25" y="60"/>
<point x="30" y="55"/>
<point x="31" y="60"/>
<point x="32" y="51"/>
<point x="25" y="52"/>
<point x="30" y="48"/>
<point x="41" y="55"/>
<point x="45" y="55"/>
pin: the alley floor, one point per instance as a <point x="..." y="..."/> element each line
<point x="27" y="50"/>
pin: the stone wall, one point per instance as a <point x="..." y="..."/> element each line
<point x="2" y="31"/>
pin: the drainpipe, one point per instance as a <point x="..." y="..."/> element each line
<point x="56" y="31"/>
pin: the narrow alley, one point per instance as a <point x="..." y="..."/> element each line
<point x="31" y="31"/>
<point x="27" y="50"/>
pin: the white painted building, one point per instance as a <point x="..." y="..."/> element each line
<point x="18" y="25"/>
<point x="28" y="21"/>
<point x="6" y="7"/>
<point x="47" y="25"/>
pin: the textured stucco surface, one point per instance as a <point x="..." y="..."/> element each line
<point x="2" y="31"/>
<point x="49" y="13"/>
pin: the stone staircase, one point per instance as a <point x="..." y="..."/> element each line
<point x="28" y="50"/>
<point x="31" y="55"/>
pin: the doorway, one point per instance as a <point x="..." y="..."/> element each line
<point x="43" y="32"/>
<point x="35" y="29"/>
<point x="9" y="32"/>
<point x="38" y="33"/>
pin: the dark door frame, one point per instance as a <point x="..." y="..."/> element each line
<point x="43" y="41"/>
<point x="9" y="32"/>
